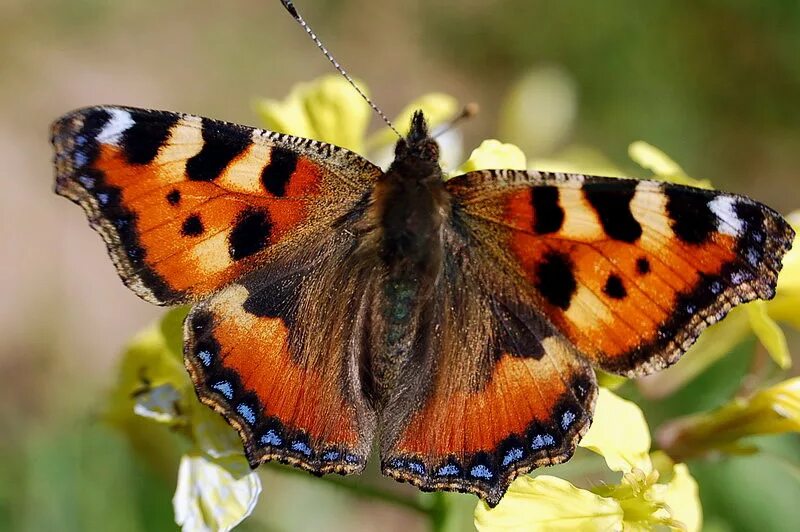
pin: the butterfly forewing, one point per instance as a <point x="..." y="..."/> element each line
<point x="629" y="271"/>
<point x="187" y="205"/>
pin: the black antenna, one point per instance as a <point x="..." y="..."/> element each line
<point x="469" y="110"/>
<point x="293" y="11"/>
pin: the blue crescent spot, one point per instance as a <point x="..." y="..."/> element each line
<point x="351" y="458"/>
<point x="205" y="357"/>
<point x="87" y="181"/>
<point x="513" y="455"/>
<point x="225" y="388"/>
<point x="301" y="447"/>
<point x="481" y="471"/>
<point x="416" y="467"/>
<point x="79" y="158"/>
<point x="540" y="441"/>
<point x="331" y="455"/>
<point x="246" y="412"/>
<point x="102" y="198"/>
<point x="271" y="438"/>
<point x="567" y="419"/>
<point x="448" y="471"/>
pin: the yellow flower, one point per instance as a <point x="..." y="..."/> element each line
<point x="773" y="410"/>
<point x="329" y="110"/>
<point x="639" y="501"/>
<point x="216" y="489"/>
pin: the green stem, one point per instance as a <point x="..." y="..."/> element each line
<point x="438" y="511"/>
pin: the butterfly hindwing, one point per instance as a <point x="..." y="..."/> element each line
<point x="277" y="354"/>
<point x="187" y="204"/>
<point x="629" y="271"/>
<point x="503" y="393"/>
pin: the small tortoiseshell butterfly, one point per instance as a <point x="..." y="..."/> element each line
<point x="454" y="322"/>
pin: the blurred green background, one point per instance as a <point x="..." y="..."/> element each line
<point x="715" y="84"/>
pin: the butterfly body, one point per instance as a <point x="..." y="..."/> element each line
<point x="454" y="322"/>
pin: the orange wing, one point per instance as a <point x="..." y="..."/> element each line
<point x="629" y="271"/>
<point x="187" y="205"/>
<point x="502" y="394"/>
<point x="278" y="358"/>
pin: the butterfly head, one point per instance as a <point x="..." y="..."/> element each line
<point x="417" y="150"/>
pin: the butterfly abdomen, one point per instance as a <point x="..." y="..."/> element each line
<point x="410" y="208"/>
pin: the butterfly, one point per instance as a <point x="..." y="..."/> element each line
<point x="454" y="324"/>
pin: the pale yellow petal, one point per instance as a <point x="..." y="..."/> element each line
<point x="769" y="334"/>
<point x="655" y="160"/>
<point x="619" y="433"/>
<point x="549" y="503"/>
<point x="683" y="499"/>
<point x="493" y="154"/>
<point x="214" y="495"/>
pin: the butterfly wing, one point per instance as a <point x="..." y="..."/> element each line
<point x="255" y="223"/>
<point x="629" y="271"/>
<point x="187" y="205"/>
<point x="502" y="393"/>
<point x="277" y="354"/>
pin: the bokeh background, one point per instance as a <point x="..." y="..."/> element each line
<point x="715" y="84"/>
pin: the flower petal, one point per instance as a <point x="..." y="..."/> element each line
<point x="769" y="334"/>
<point x="214" y="494"/>
<point x="619" y="433"/>
<point x="655" y="160"/>
<point x="328" y="110"/>
<point x="493" y="154"/>
<point x="549" y="503"/>
<point x="683" y="499"/>
<point x="437" y="107"/>
<point x="772" y="410"/>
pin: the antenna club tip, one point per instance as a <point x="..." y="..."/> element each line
<point x="290" y="7"/>
<point x="471" y="109"/>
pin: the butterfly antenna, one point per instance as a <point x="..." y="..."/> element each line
<point x="469" y="110"/>
<point x="293" y="11"/>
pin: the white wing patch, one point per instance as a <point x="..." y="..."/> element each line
<point x="112" y="132"/>
<point x="728" y="222"/>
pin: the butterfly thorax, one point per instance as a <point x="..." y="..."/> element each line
<point x="411" y="206"/>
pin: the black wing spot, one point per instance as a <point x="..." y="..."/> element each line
<point x="548" y="215"/>
<point x="277" y="174"/>
<point x="691" y="218"/>
<point x="642" y="266"/>
<point x="222" y="143"/>
<point x="174" y="197"/>
<point x="555" y="279"/>
<point x="614" y="288"/>
<point x="140" y="142"/>
<point x="612" y="202"/>
<point x="192" y="226"/>
<point x="250" y="235"/>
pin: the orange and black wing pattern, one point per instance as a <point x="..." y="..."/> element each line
<point x="241" y="220"/>
<point x="630" y="272"/>
<point x="504" y="392"/>
<point x="277" y="354"/>
<point x="187" y="205"/>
